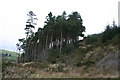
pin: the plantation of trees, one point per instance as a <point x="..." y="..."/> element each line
<point x="59" y="35"/>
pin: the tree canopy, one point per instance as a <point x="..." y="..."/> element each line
<point x="58" y="33"/>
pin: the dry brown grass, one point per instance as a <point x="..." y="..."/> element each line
<point x="20" y="71"/>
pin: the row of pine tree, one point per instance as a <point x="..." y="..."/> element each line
<point x="60" y="34"/>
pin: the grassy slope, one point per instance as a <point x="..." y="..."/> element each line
<point x="80" y="60"/>
<point x="12" y="57"/>
<point x="10" y="52"/>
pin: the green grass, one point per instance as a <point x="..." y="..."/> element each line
<point x="13" y="57"/>
<point x="10" y="52"/>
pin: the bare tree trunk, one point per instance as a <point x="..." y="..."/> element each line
<point x="51" y="41"/>
<point x="18" y="56"/>
<point x="35" y="51"/>
<point x="60" y="42"/>
<point x="39" y="48"/>
<point x="46" y="50"/>
<point x="26" y="52"/>
<point x="46" y="43"/>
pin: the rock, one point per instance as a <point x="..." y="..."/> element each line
<point x="25" y="64"/>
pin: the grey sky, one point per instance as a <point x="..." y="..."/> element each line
<point x="96" y="14"/>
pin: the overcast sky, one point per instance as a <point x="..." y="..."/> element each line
<point x="96" y="14"/>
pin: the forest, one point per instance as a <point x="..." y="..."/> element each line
<point x="59" y="35"/>
<point x="56" y="50"/>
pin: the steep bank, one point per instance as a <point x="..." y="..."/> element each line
<point x="95" y="60"/>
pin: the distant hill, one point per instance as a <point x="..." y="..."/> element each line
<point x="8" y="55"/>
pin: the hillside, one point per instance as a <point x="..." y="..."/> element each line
<point x="64" y="56"/>
<point x="88" y="61"/>
<point x="9" y="55"/>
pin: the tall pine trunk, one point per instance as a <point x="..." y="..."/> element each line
<point x="60" y="42"/>
<point x="51" y="41"/>
<point x="46" y="43"/>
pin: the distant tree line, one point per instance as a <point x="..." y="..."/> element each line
<point x="108" y="34"/>
<point x="59" y="35"/>
<point x="6" y="55"/>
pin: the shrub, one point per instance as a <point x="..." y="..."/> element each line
<point x="85" y="63"/>
<point x="56" y="67"/>
<point x="109" y="33"/>
<point x="92" y="38"/>
<point x="36" y="65"/>
<point x="68" y="48"/>
<point x="5" y="64"/>
<point x="115" y="40"/>
<point x="53" y="55"/>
